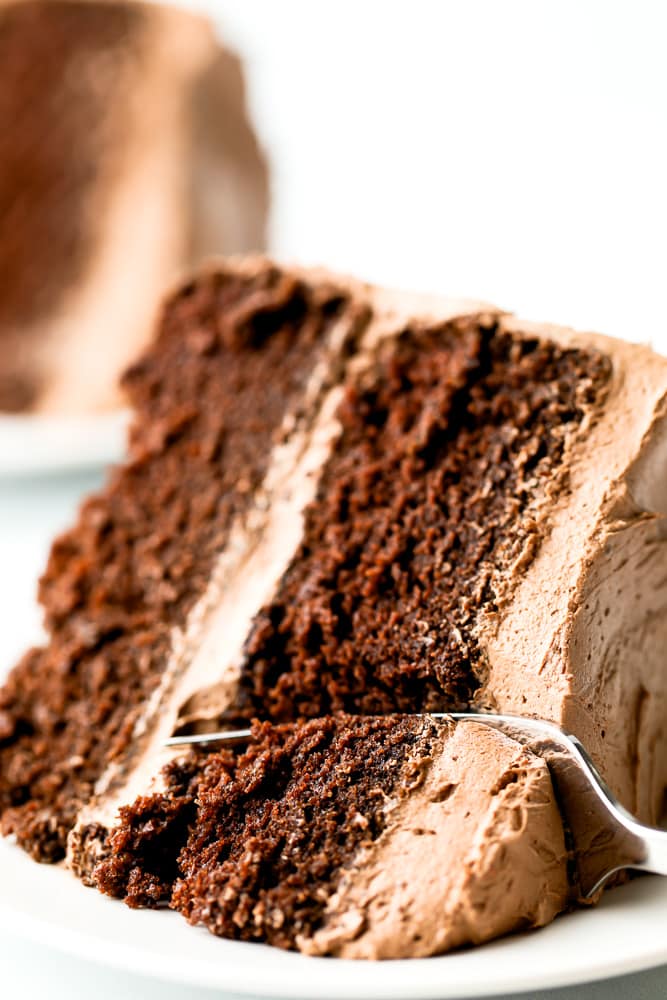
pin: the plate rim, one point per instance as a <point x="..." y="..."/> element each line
<point x="242" y="978"/>
<point x="37" y="444"/>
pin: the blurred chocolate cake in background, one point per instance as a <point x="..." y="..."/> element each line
<point x="126" y="155"/>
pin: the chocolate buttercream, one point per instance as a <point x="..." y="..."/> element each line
<point x="475" y="851"/>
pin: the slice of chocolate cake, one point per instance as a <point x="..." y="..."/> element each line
<point x="341" y="499"/>
<point x="360" y="837"/>
<point x="125" y="157"/>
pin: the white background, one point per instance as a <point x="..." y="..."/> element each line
<point x="507" y="150"/>
<point x="511" y="150"/>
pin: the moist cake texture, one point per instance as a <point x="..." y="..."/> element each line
<point x="95" y="221"/>
<point x="447" y="443"/>
<point x="341" y="499"/>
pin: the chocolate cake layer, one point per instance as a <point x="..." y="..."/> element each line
<point x="448" y="440"/>
<point x="119" y="584"/>
<point x="267" y="846"/>
<point x="94" y="219"/>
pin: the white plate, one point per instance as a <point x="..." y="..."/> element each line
<point x="625" y="933"/>
<point x="39" y="444"/>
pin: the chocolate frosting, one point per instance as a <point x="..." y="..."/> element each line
<point x="476" y="851"/>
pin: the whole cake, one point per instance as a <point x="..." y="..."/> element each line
<point x="136" y="160"/>
<point x="347" y="505"/>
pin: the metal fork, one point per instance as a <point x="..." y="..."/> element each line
<point x="605" y="837"/>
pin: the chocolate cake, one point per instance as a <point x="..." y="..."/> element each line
<point x="125" y="157"/>
<point x="342" y="502"/>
